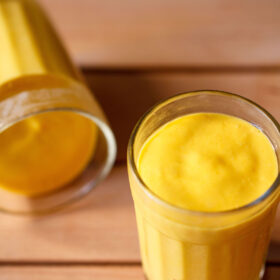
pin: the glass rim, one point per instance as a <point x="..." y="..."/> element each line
<point x="111" y="147"/>
<point x="130" y="156"/>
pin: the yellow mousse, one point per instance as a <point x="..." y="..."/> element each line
<point x="44" y="152"/>
<point x="208" y="162"/>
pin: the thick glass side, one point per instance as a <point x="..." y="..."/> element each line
<point x="180" y="244"/>
<point x="61" y="95"/>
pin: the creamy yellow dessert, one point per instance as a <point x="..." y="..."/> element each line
<point x="46" y="151"/>
<point x="208" y="162"/>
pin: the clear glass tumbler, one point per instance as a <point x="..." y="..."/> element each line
<point x="180" y="244"/>
<point x="55" y="141"/>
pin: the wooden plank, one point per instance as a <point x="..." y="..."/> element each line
<point x="99" y="229"/>
<point x="70" y="272"/>
<point x="90" y="272"/>
<point x="272" y="273"/>
<point x="153" y="33"/>
<point x="126" y="96"/>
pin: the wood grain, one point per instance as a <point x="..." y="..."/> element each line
<point x="169" y="33"/>
<point x="100" y="228"/>
<point x="126" y="96"/>
<point x="89" y="273"/>
<point x="76" y="272"/>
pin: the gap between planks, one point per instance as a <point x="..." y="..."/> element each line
<point x="69" y="263"/>
<point x="181" y="69"/>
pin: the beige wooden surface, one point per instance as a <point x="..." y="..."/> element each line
<point x="73" y="273"/>
<point x="100" y="228"/>
<point x="135" y="53"/>
<point x="168" y="33"/>
<point x="89" y="273"/>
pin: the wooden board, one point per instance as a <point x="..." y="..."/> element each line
<point x="169" y="33"/>
<point x="72" y="272"/>
<point x="125" y="96"/>
<point x="100" y="228"/>
<point x="89" y="273"/>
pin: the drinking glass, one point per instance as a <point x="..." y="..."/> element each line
<point x="38" y="80"/>
<point x="180" y="244"/>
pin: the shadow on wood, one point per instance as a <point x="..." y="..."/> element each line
<point x="124" y="100"/>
